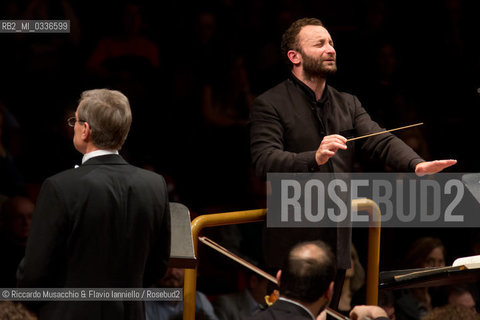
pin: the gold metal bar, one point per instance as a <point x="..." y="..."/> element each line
<point x="211" y="220"/>
<point x="373" y="258"/>
<point x="212" y="244"/>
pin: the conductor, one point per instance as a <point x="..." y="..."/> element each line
<point x="300" y="126"/>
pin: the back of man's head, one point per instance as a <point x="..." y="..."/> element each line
<point x="307" y="272"/>
<point x="109" y="116"/>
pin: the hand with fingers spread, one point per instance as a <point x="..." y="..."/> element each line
<point x="431" y="167"/>
<point x="328" y="147"/>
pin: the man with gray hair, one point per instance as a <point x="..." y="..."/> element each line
<point x="105" y="224"/>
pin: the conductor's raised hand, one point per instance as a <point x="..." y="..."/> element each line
<point x="328" y="147"/>
<point x="431" y="167"/>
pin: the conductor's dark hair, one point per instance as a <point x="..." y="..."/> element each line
<point x="290" y="36"/>
<point x="307" y="278"/>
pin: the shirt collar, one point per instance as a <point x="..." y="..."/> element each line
<point x="309" y="92"/>
<point x="298" y="304"/>
<point x="97" y="153"/>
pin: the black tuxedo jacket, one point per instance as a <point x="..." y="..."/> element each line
<point x="105" y="224"/>
<point x="283" y="310"/>
<point x="287" y="127"/>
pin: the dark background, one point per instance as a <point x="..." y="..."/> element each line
<point x="408" y="61"/>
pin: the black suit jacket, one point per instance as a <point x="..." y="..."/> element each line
<point x="286" y="129"/>
<point x="283" y="310"/>
<point x="104" y="224"/>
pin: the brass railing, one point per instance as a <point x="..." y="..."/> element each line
<point x="226" y="218"/>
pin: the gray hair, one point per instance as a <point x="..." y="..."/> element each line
<point x="109" y="116"/>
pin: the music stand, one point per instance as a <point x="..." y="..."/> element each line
<point x="181" y="243"/>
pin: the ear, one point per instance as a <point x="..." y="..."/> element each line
<point x="279" y="275"/>
<point x="295" y="57"/>
<point x="329" y="293"/>
<point x="86" y="131"/>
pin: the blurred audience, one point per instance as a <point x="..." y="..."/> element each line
<point x="461" y="295"/>
<point x="386" y="301"/>
<point x="11" y="180"/>
<point x="225" y="103"/>
<point x="15" y="221"/>
<point x="242" y="305"/>
<point x="128" y="60"/>
<point x="354" y="281"/>
<point x="130" y="42"/>
<point x="15" y="311"/>
<point x="414" y="304"/>
<point x="160" y="310"/>
<point x="425" y="252"/>
<point x="452" y="312"/>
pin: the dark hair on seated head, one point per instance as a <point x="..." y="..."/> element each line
<point x="307" y="279"/>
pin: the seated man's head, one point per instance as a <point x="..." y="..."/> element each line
<point x="452" y="312"/>
<point x="308" y="274"/>
<point x="173" y="278"/>
<point x="16" y="218"/>
<point x="461" y="295"/>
